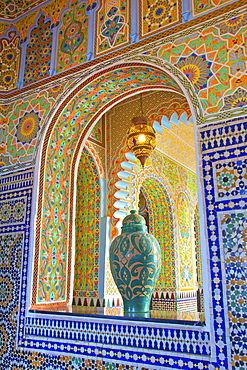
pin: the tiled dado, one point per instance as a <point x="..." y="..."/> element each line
<point x="98" y="334"/>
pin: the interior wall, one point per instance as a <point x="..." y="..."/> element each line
<point x="213" y="44"/>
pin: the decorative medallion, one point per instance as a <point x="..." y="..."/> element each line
<point x="226" y="179"/>
<point x="159" y="12"/>
<point x="197" y="69"/>
<point x="5" y="212"/>
<point x="28" y="127"/>
<point x="6" y="79"/>
<point x="157" y="15"/>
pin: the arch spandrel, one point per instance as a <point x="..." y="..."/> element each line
<point x="66" y="133"/>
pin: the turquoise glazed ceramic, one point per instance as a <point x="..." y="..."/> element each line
<point x="135" y="261"/>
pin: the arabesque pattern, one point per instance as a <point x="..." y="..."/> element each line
<point x="113" y="26"/>
<point x="72" y="39"/>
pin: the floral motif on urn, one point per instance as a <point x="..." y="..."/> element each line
<point x="135" y="261"/>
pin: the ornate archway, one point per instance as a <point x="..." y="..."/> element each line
<point x="63" y="142"/>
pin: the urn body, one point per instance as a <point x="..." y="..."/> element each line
<point x="135" y="261"/>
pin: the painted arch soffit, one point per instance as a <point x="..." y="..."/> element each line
<point x="61" y="146"/>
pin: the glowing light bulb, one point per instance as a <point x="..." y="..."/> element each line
<point x="142" y="138"/>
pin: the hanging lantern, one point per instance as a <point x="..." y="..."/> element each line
<point x="141" y="138"/>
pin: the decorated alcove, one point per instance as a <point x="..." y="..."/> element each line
<point x="66" y="242"/>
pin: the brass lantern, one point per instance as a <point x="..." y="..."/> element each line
<point x="141" y="138"/>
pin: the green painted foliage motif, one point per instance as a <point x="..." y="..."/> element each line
<point x="135" y="265"/>
<point x="113" y="25"/>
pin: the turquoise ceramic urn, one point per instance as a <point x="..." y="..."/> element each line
<point x="135" y="262"/>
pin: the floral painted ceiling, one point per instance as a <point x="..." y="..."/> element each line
<point x="12" y="9"/>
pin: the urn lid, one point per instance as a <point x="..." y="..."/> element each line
<point x="134" y="221"/>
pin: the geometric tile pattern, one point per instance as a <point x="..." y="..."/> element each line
<point x="110" y="286"/>
<point x="122" y="335"/>
<point x="120" y="340"/>
<point x="227" y="228"/>
<point x="186" y="248"/>
<point x="15" y="197"/>
<point x="12" y="212"/>
<point x="162" y="227"/>
<point x="234" y="226"/>
<point x="231" y="178"/>
<point x="166" y="304"/>
<point x="198" y="253"/>
<point x="174" y="339"/>
<point x="22" y="121"/>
